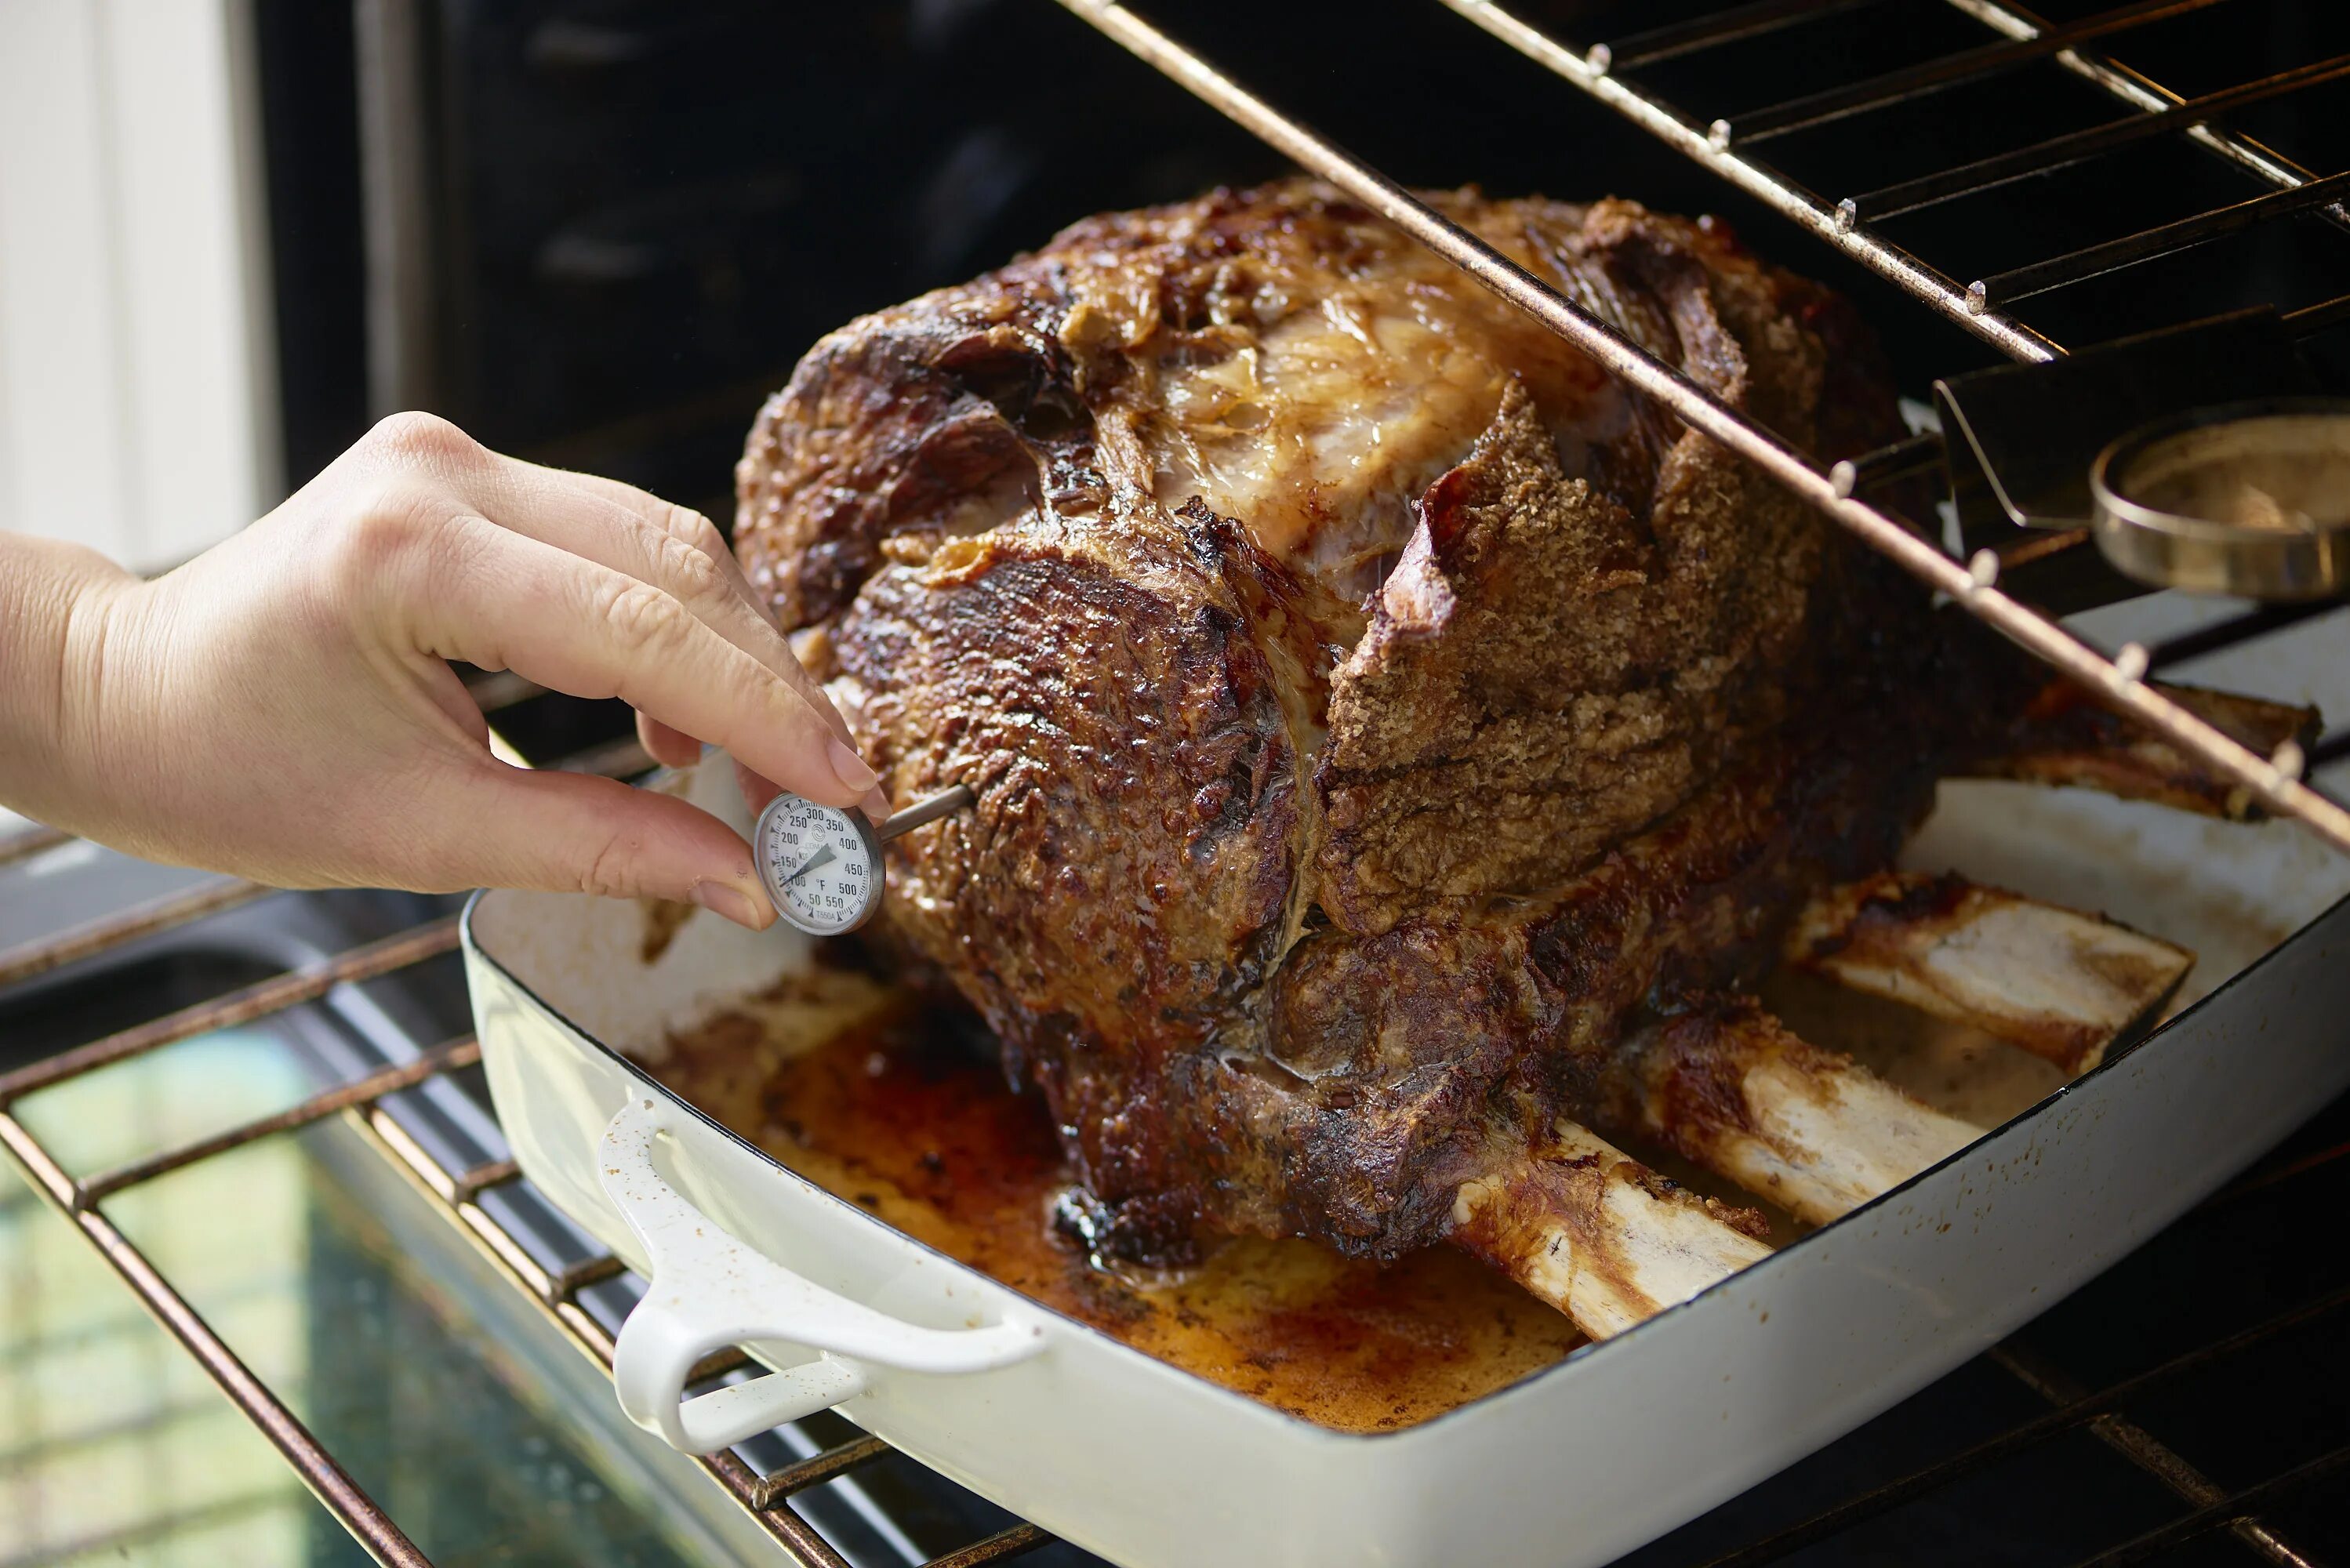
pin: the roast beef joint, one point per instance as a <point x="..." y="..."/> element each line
<point x="1399" y="749"/>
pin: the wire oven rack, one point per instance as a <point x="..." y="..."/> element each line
<point x="1723" y="145"/>
<point x="559" y="1292"/>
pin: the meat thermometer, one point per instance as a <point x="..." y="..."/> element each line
<point x="822" y="864"/>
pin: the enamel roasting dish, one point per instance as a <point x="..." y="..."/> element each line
<point x="1151" y="1466"/>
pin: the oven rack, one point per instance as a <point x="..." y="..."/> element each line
<point x="2119" y="679"/>
<point x="767" y="1494"/>
<point x="1722" y="143"/>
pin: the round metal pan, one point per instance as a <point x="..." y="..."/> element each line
<point x="2251" y="499"/>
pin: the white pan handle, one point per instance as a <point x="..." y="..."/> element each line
<point x="709" y="1291"/>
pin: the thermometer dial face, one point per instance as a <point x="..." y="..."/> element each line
<point x="822" y="864"/>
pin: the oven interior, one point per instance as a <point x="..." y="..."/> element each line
<point x="598" y="232"/>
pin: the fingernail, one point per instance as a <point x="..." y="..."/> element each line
<point x="876" y="804"/>
<point x="851" y="769"/>
<point x="728" y="903"/>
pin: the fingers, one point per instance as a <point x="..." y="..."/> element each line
<point x="681" y="551"/>
<point x="676" y="549"/>
<point x="504" y="601"/>
<point x="511" y="827"/>
<point x="669" y="547"/>
<point x="666" y="516"/>
<point x="757" y="792"/>
<point x="667" y="746"/>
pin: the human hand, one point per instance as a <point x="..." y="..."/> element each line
<point x="282" y="706"/>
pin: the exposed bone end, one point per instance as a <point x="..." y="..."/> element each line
<point x="1732" y="1089"/>
<point x="2060" y="983"/>
<point x="1598" y="1235"/>
<point x="2066" y="737"/>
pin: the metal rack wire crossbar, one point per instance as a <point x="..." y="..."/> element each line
<point x="1723" y="143"/>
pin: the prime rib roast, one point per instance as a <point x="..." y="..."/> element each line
<point x="1397" y="746"/>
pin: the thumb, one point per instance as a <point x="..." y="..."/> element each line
<point x="574" y="833"/>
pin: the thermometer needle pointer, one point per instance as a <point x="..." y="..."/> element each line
<point x="823" y="857"/>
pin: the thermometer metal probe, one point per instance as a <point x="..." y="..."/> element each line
<point x="822" y="864"/>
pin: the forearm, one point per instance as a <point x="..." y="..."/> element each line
<point x="54" y="600"/>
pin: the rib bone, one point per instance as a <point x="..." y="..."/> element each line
<point x="2060" y="983"/>
<point x="2065" y="737"/>
<point x="1600" y="1236"/>
<point x="1729" y="1087"/>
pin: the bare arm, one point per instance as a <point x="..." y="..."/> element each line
<point x="282" y="706"/>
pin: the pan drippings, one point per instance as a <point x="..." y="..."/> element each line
<point x="899" y="1115"/>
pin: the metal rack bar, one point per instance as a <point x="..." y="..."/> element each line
<point x="1972" y="585"/>
<point x="1940" y="72"/>
<point x="455" y="1193"/>
<point x="2074" y="147"/>
<point x="817" y="1469"/>
<point x="577" y="1277"/>
<point x="767" y="1497"/>
<point x="27" y="842"/>
<point x="2142" y="1448"/>
<point x="1902" y="459"/>
<point x="2307" y="1163"/>
<point x="1843" y="225"/>
<point x="1759" y="181"/>
<point x="446" y="1058"/>
<point x="24" y="961"/>
<point x="2235" y="1508"/>
<point x="327" y="1480"/>
<point x="2140" y="93"/>
<point x="1748" y="21"/>
<point x="2314" y="318"/>
<point x="1002" y="1547"/>
<point x="2234" y="630"/>
<point x="241" y="1006"/>
<point x="717" y="1364"/>
<point x="2069" y="1415"/>
<point x="2022" y="283"/>
<point x="2029" y="547"/>
<point x="467" y="1185"/>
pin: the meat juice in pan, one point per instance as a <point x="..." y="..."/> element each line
<point x="901" y="1114"/>
<point x="899" y="1107"/>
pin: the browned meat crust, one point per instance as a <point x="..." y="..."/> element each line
<point x="1664" y="647"/>
<point x="1371" y="706"/>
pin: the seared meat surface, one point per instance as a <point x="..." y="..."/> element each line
<point x="1373" y="709"/>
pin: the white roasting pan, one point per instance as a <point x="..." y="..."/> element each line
<point x="1153" y="1468"/>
